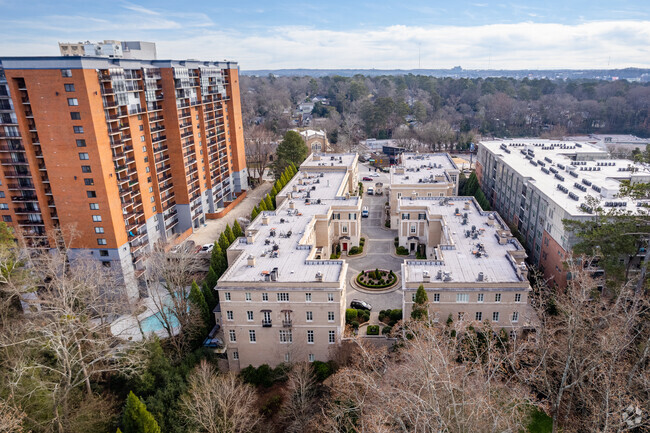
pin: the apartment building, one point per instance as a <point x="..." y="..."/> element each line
<point x="474" y="269"/>
<point x="421" y="175"/>
<point x="281" y="298"/>
<point x="110" y="48"/>
<point x="129" y="153"/>
<point x="535" y="184"/>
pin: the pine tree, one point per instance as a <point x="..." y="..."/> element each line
<point x="274" y="191"/>
<point x="268" y="203"/>
<point x="208" y="294"/>
<point x="262" y="206"/>
<point x="420" y="306"/>
<point x="223" y="242"/>
<point x="196" y="297"/>
<point x="236" y="229"/>
<point x="229" y="234"/>
<point x="136" y="418"/>
<point x="254" y="213"/>
<point x="212" y="278"/>
<point x="421" y="297"/>
<point x="213" y="254"/>
<point x="218" y="261"/>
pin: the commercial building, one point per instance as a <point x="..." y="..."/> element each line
<point x="127" y="152"/>
<point x="282" y="299"/>
<point x="421" y="175"/>
<point x="473" y="269"/>
<point x="535" y="184"/>
<point x="109" y="48"/>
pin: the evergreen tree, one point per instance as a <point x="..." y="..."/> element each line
<point x="229" y="234"/>
<point x="196" y="297"/>
<point x="236" y="229"/>
<point x="208" y="294"/>
<point x="262" y="206"/>
<point x="254" y="213"/>
<point x="420" y="306"/>
<point x="136" y="418"/>
<point x="268" y="203"/>
<point x="223" y="242"/>
<point x="292" y="149"/>
<point x="219" y="262"/>
<point x="118" y="430"/>
<point x="213" y="255"/>
<point x="212" y="278"/>
<point x="421" y="297"/>
<point x="274" y="191"/>
<point x="471" y="185"/>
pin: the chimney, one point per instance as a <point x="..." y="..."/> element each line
<point x="295" y="188"/>
<point x="490" y="220"/>
<point x="250" y="237"/>
<point x="316" y="157"/>
<point x="426" y="277"/>
<point x="467" y="205"/>
<point x="503" y="237"/>
<point x="265" y="220"/>
<point x="319" y="276"/>
<point x="292" y="205"/>
<point x="251" y="261"/>
<point x="523" y="270"/>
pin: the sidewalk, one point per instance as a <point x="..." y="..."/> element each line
<point x="213" y="228"/>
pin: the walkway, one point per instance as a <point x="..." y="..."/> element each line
<point x="212" y="229"/>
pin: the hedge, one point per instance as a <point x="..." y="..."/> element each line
<point x="401" y="251"/>
<point x="375" y="286"/>
<point x="373" y="330"/>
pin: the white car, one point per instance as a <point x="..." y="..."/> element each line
<point x="207" y="248"/>
<point x="374" y="175"/>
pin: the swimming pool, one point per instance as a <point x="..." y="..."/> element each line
<point x="153" y="323"/>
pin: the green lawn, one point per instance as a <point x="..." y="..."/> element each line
<point x="539" y="422"/>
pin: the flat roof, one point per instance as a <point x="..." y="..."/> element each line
<point x="552" y="169"/>
<point x="321" y="160"/>
<point x="285" y="242"/>
<point x="92" y="62"/>
<point x="458" y="251"/>
<point x="422" y="168"/>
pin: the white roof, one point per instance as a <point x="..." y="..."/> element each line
<point x="320" y="160"/>
<point x="549" y="167"/>
<point x="457" y="250"/>
<point x="422" y="168"/>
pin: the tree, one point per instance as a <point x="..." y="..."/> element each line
<point x="11" y="417"/>
<point x="254" y="213"/>
<point x="196" y="296"/>
<point x="224" y="243"/>
<point x="208" y="295"/>
<point x="259" y="148"/>
<point x="301" y="398"/>
<point x="6" y="234"/>
<point x="292" y="149"/>
<point x="237" y="230"/>
<point x="212" y="278"/>
<point x="229" y="234"/>
<point x="420" y="308"/>
<point x="136" y="418"/>
<point x="219" y="403"/>
<point x="268" y="203"/>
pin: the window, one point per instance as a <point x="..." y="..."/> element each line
<point x="106" y="264"/>
<point x="307" y="297"/>
<point x="229" y="315"/>
<point x="331" y="337"/>
<point x="330" y="297"/>
<point x="4" y="206"/>
<point x="265" y="297"/>
<point x="69" y="87"/>
<point x="73" y="102"/>
<point x="287" y="357"/>
<point x="310" y="337"/>
<point x="151" y="187"/>
<point x="479" y="316"/>
<point x="2" y="193"/>
<point x="515" y="316"/>
<point x="85" y="169"/>
<point x="81" y="143"/>
<point x="235" y="355"/>
<point x="226" y="296"/>
<point x="286" y="337"/>
<point x="283" y="297"/>
<point x="233" y="336"/>
<point x="248" y="296"/>
<point x="413" y="229"/>
<point x="517" y="297"/>
<point x="101" y="241"/>
<point x="6" y="218"/>
<point x="344" y="228"/>
<point x="495" y="316"/>
<point x="436" y="297"/>
<point x="497" y="297"/>
<point x="99" y="229"/>
<point x="461" y="315"/>
<point x="103" y="253"/>
<point x="480" y="297"/>
<point x="97" y="218"/>
<point x="330" y="316"/>
<point x="83" y="156"/>
<point x="89" y="181"/>
<point x="144" y="148"/>
<point x="141" y="127"/>
<point x="312" y="358"/>
<point x="462" y="297"/>
<point x="75" y="115"/>
<point x="251" y="336"/>
<point x="406" y="216"/>
<point x="142" y="138"/>
<point x="66" y="73"/>
<point x="249" y="316"/>
<point x="422" y="216"/>
<point x="310" y="316"/>
<point x="412" y="297"/>
<point x="153" y="199"/>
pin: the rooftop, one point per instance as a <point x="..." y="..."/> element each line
<point x="565" y="172"/>
<point x="468" y="246"/>
<point x="422" y="168"/>
<point x="283" y="240"/>
<point x="320" y="160"/>
<point x="89" y="62"/>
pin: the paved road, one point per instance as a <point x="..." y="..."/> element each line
<point x="379" y="243"/>
<point x="213" y="228"/>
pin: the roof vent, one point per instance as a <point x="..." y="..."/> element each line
<point x="265" y="220"/>
<point x="319" y="276"/>
<point x="292" y="205"/>
<point x="480" y="276"/>
<point x="425" y="276"/>
<point x="251" y="261"/>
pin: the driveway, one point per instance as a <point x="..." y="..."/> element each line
<point x="210" y="232"/>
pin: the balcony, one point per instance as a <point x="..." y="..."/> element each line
<point x="266" y="323"/>
<point x="287" y="323"/>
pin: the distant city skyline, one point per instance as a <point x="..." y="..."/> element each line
<point x="479" y="34"/>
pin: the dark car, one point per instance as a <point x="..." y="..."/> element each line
<point x="360" y="305"/>
<point x="367" y="179"/>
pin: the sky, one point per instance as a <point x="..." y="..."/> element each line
<point x="340" y="34"/>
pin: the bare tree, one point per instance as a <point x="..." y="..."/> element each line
<point x="219" y="403"/>
<point x="592" y="354"/>
<point x="259" y="148"/>
<point x="300" y="406"/>
<point x="406" y="138"/>
<point x="11" y="418"/>
<point x="169" y="277"/>
<point x="422" y="387"/>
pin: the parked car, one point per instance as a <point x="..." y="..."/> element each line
<point x="375" y="175"/>
<point x="360" y="305"/>
<point x="367" y="179"/>
<point x="364" y="212"/>
<point x="371" y="191"/>
<point x="207" y="248"/>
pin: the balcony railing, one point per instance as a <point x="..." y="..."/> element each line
<point x="287" y="323"/>
<point x="266" y="323"/>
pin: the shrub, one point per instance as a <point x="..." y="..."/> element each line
<point x="365" y="315"/>
<point x="272" y="405"/>
<point x="323" y="370"/>
<point x="401" y="251"/>
<point x="373" y="330"/>
<point x="382" y="314"/>
<point x="350" y="315"/>
<point x="386" y="330"/>
<point x="355" y="324"/>
<point x="362" y="240"/>
<point x="387" y="223"/>
<point x="264" y="375"/>
<point x="395" y="315"/>
<point x="353" y="251"/>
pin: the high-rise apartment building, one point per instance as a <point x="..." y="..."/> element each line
<point x="118" y="49"/>
<point x="536" y="184"/>
<point x="128" y="152"/>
